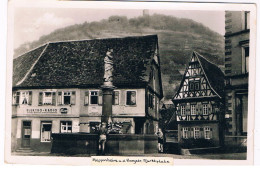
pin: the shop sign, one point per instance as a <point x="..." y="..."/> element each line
<point x="37" y="111"/>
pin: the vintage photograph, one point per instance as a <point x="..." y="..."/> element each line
<point x="130" y="82"/>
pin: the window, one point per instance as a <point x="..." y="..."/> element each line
<point x="194" y="85"/>
<point x="247" y="20"/>
<point x="245" y="59"/>
<point x="93" y="97"/>
<point x="24" y="98"/>
<point x="151" y="101"/>
<point x="196" y="133"/>
<point x="94" y="127"/>
<point x="66" y="127"/>
<point x="16" y="99"/>
<point x="191" y="86"/>
<point x="47" y="98"/>
<point x="131" y="98"/>
<point x="115" y="97"/>
<point x="197" y="85"/>
<point x="185" y="133"/>
<point x="182" y="110"/>
<point x="193" y="109"/>
<point x="207" y="132"/>
<point x="66" y="98"/>
<point x="46" y="131"/>
<point x="205" y="109"/>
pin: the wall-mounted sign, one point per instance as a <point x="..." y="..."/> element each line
<point x="35" y="111"/>
<point x="64" y="110"/>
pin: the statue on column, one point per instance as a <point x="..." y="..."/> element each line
<point x="108" y="74"/>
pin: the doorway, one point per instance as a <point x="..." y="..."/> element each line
<point x="26" y="134"/>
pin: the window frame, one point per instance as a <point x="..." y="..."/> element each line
<point x="196" y="130"/>
<point x="43" y="97"/>
<point x="183" y="110"/>
<point x="185" y="132"/>
<point x="203" y="109"/>
<point x="207" y="129"/>
<point x="89" y="102"/>
<point x="66" y="126"/>
<point x="193" y="110"/>
<point x="45" y="123"/>
<point x="16" y="97"/>
<point x="114" y="96"/>
<point x="133" y="105"/>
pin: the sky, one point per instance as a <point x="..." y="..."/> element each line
<point x="32" y="23"/>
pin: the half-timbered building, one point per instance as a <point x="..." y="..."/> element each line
<point x="198" y="103"/>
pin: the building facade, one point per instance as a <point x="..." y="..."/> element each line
<point x="57" y="89"/>
<point x="199" y="104"/>
<point x="236" y="76"/>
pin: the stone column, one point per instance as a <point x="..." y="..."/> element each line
<point x="107" y="87"/>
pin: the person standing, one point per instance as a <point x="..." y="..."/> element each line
<point x="102" y="138"/>
<point x="160" y="140"/>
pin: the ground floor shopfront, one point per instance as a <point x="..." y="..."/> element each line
<point x="35" y="133"/>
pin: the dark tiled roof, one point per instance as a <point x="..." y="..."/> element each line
<point x="22" y="64"/>
<point x="214" y="74"/>
<point x="81" y="63"/>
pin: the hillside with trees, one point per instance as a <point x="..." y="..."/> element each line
<point x="178" y="37"/>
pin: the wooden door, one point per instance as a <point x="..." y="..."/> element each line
<point x="26" y="133"/>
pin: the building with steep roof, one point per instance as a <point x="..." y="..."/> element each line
<point x="56" y="89"/>
<point x="199" y="104"/>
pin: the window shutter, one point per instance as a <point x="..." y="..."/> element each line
<point x="59" y="99"/>
<point x="73" y="98"/>
<point x="211" y="133"/>
<point x="17" y="98"/>
<point x="209" y="107"/>
<point x="191" y="132"/>
<point x="100" y="96"/>
<point x="187" y="109"/>
<point x="200" y="109"/>
<point x="40" y="98"/>
<point x="53" y="98"/>
<point x="86" y="98"/>
<point x="201" y="133"/>
<point x="30" y="98"/>
<point x="181" y="132"/>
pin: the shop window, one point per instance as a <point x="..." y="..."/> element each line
<point x="66" y="127"/>
<point x="207" y="132"/>
<point x="196" y="133"/>
<point x="115" y="97"/>
<point x="94" y="127"/>
<point x="46" y="131"/>
<point x="185" y="133"/>
<point x="193" y="109"/>
<point x="131" y="98"/>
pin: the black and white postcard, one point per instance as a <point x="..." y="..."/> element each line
<point x="128" y="83"/>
